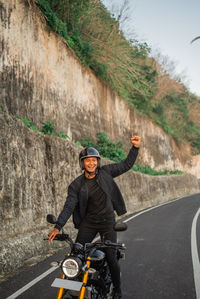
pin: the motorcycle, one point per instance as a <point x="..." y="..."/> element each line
<point x="85" y="272"/>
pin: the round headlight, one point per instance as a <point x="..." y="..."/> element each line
<point x="71" y="267"/>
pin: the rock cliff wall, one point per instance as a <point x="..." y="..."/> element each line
<point x="43" y="80"/>
<point x="35" y="171"/>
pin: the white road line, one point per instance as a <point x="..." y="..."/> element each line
<point x="152" y="208"/>
<point x="195" y="256"/>
<point x="30" y="284"/>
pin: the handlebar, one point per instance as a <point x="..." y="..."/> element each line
<point x="61" y="237"/>
<point x="89" y="246"/>
<point x="105" y="244"/>
<point x="117" y="245"/>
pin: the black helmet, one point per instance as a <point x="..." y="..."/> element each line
<point x="88" y="152"/>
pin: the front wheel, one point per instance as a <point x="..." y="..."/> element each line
<point x="98" y="294"/>
<point x="66" y="295"/>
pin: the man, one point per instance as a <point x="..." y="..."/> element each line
<point x="92" y="199"/>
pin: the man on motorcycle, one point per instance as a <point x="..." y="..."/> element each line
<point x="92" y="199"/>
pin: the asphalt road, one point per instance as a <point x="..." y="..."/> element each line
<point x="159" y="261"/>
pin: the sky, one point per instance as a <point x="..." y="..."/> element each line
<point x="168" y="27"/>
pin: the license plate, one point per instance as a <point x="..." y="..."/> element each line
<point x="67" y="284"/>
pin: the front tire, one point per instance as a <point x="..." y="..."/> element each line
<point x="95" y="294"/>
<point x="66" y="295"/>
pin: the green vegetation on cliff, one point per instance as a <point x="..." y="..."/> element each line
<point x="126" y="66"/>
<point x="47" y="128"/>
<point x="109" y="150"/>
<point x="114" y="151"/>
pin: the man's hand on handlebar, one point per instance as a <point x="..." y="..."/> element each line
<point x="53" y="234"/>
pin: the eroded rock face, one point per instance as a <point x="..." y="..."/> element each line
<point x="35" y="171"/>
<point x="34" y="175"/>
<point x="41" y="79"/>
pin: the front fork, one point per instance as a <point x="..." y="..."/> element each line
<point x="82" y="290"/>
<point x="85" y="279"/>
<point x="60" y="291"/>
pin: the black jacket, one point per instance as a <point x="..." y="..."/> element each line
<point x="76" y="202"/>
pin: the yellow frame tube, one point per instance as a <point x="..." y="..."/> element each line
<point x="85" y="279"/>
<point x="60" y="291"/>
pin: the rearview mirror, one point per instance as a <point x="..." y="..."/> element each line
<point x="51" y="219"/>
<point x="120" y="227"/>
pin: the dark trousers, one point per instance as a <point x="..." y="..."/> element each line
<point x="87" y="232"/>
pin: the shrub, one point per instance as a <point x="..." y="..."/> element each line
<point x="108" y="149"/>
<point x="148" y="170"/>
<point x="29" y="124"/>
<point x="63" y="135"/>
<point x="48" y="128"/>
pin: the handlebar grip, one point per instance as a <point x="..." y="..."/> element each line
<point x="59" y="237"/>
<point x="90" y="245"/>
<point x="55" y="239"/>
<point x="120" y="245"/>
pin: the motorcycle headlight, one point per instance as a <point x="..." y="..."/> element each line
<point x="71" y="266"/>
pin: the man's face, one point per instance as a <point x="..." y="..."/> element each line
<point x="90" y="164"/>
